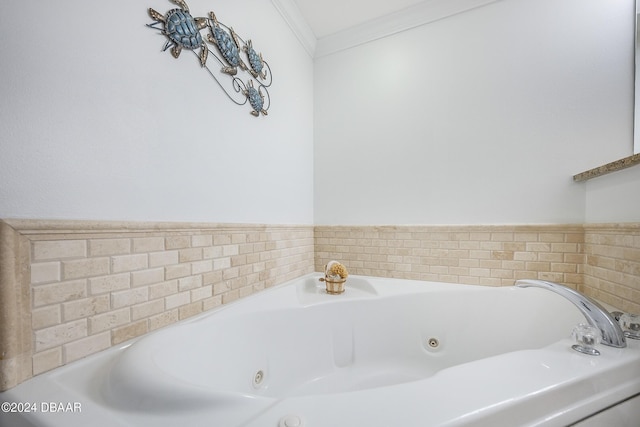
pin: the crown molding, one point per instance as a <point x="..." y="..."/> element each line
<point x="406" y="19"/>
<point x="290" y="12"/>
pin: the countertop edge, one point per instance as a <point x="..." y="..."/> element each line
<point x="617" y="165"/>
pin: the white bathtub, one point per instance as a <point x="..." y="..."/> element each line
<point x="385" y="353"/>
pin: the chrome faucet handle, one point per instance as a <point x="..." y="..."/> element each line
<point x="587" y="337"/>
<point x="630" y="324"/>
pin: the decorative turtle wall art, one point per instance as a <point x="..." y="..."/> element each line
<point x="227" y="45"/>
<point x="255" y="60"/>
<point x="256" y="99"/>
<point x="182" y="32"/>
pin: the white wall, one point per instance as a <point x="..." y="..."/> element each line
<point x="96" y="122"/>
<point x="482" y="117"/>
<point x="479" y="118"/>
<point x="614" y="197"/>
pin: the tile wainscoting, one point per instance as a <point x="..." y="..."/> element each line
<point x="612" y="264"/>
<point x="72" y="288"/>
<point x="601" y="260"/>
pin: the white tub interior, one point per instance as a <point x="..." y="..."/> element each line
<point x="336" y="345"/>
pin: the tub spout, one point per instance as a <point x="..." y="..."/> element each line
<point x="595" y="314"/>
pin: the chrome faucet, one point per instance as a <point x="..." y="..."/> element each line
<point x="596" y="315"/>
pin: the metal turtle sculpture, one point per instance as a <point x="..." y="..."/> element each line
<point x="256" y="61"/>
<point x="256" y="99"/>
<point x="227" y="45"/>
<point x="182" y="30"/>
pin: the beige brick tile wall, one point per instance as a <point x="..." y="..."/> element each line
<point x="612" y="267"/>
<point x="478" y="255"/>
<point x="96" y="285"/>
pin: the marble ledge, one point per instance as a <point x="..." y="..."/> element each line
<point x="608" y="168"/>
